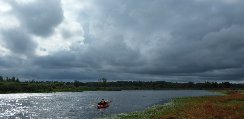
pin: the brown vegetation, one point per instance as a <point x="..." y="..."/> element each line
<point x="229" y="106"/>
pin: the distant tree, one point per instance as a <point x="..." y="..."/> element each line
<point x="13" y="79"/>
<point x="104" y="82"/>
<point x="226" y="85"/>
<point x="67" y="83"/>
<point x="1" y="78"/>
<point x="7" y="79"/>
<point x="17" y="80"/>
<point x="99" y="84"/>
<point x="76" y="83"/>
<point x="190" y="85"/>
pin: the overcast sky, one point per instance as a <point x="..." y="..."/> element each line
<point x="171" y="40"/>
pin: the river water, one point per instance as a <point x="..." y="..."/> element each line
<point x="82" y="105"/>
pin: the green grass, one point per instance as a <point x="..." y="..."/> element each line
<point x="229" y="106"/>
<point x="152" y="112"/>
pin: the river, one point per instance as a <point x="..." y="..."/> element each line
<point x="82" y="105"/>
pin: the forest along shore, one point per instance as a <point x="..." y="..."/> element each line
<point x="227" y="106"/>
<point x="15" y="85"/>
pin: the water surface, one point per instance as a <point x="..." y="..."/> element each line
<point x="82" y="105"/>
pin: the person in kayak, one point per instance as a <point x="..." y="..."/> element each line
<point x="103" y="102"/>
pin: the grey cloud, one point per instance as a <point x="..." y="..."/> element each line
<point x="9" y="62"/>
<point x="15" y="66"/>
<point x="148" y="40"/>
<point x="18" y="41"/>
<point x="113" y="53"/>
<point x="129" y="38"/>
<point x="190" y="47"/>
<point x="40" y="17"/>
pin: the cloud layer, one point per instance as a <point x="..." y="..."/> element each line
<point x="195" y="40"/>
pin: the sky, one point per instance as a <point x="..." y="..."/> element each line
<point x="146" y="40"/>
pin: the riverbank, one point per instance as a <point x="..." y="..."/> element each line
<point x="228" y="106"/>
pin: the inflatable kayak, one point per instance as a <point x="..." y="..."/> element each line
<point x="102" y="106"/>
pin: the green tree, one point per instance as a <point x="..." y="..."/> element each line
<point x="226" y="85"/>
<point x="17" y="80"/>
<point x="104" y="82"/>
<point x="13" y="79"/>
<point x="7" y="79"/>
<point x="76" y="83"/>
<point x="1" y="78"/>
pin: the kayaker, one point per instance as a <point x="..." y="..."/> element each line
<point x="103" y="102"/>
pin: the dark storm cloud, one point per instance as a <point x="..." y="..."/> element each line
<point x="8" y="62"/>
<point x="194" y="40"/>
<point x="177" y="38"/>
<point x="39" y="17"/>
<point x="105" y="55"/>
<point x="18" y="41"/>
<point x="15" y="66"/>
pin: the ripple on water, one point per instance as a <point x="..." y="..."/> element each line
<point x="82" y="105"/>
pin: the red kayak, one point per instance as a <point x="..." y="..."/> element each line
<point x="102" y="106"/>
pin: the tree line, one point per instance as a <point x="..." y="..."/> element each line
<point x="12" y="79"/>
<point x="14" y="85"/>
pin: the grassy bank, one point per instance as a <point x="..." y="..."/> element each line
<point x="229" y="106"/>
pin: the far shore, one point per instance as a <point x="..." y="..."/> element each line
<point x="81" y="90"/>
<point x="13" y="85"/>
